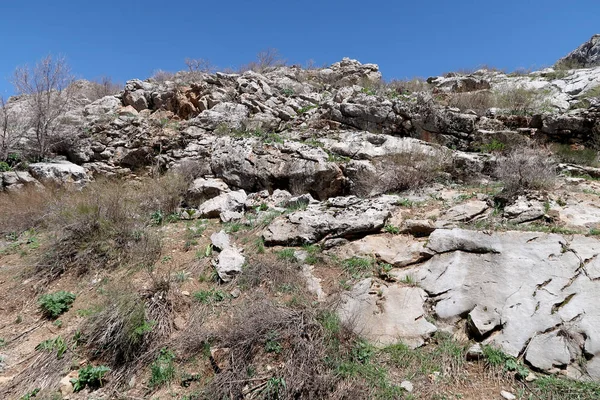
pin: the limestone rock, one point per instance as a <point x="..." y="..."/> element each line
<point x="204" y="189"/>
<point x="337" y="218"/>
<point x="225" y="202"/>
<point x="387" y="314"/>
<point x="585" y="56"/>
<point x="396" y="250"/>
<point x="59" y="172"/>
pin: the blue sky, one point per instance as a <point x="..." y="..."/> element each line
<point x="128" y="39"/>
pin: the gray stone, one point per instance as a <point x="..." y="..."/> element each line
<point x="466" y="211"/>
<point x="220" y="240"/>
<point x="337" y="218"/>
<point x="230" y="201"/>
<point x="386" y="314"/>
<point x="59" y="172"/>
<point x="229" y="263"/>
<point x="204" y="189"/>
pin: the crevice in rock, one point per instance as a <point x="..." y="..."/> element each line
<point x="561" y="304"/>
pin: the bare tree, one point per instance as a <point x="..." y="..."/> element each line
<point x="12" y="129"/>
<point x="105" y="86"/>
<point x="48" y="89"/>
<point x="265" y="60"/>
<point x="200" y="65"/>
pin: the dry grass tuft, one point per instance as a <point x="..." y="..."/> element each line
<point x="526" y="169"/>
<point x="290" y="340"/>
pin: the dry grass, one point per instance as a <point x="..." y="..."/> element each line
<point x="291" y="341"/>
<point x="526" y="169"/>
<point x="44" y="372"/>
<point x="479" y="101"/>
<point x="400" y="171"/>
<point x="27" y="208"/>
<point x="130" y="328"/>
<point x="106" y="224"/>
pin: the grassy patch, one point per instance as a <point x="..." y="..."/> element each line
<point x="358" y="267"/>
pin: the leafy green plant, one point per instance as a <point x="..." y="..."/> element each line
<point x="492" y="147"/>
<point x="394" y="230"/>
<point x="274" y="388"/>
<point x="89" y="376"/>
<point x="54" y="304"/>
<point x="272" y="344"/>
<point x="31" y="394"/>
<point x="157" y="217"/>
<point x="210" y="296"/>
<point x="306" y="109"/>
<point x="4" y="167"/>
<point x="163" y="368"/>
<point x="57" y="344"/>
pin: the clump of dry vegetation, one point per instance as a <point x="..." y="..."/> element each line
<point x="401" y="171"/>
<point x="526" y="169"/>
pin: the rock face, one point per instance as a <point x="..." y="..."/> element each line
<point x="585" y="56"/>
<point x="519" y="288"/>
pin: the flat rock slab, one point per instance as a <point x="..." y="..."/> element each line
<point x="396" y="250"/>
<point x="386" y="314"/>
<point x="334" y="218"/>
<point x="519" y="287"/>
<point x="466" y="211"/>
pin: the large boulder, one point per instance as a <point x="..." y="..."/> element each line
<point x="298" y="168"/>
<point x="336" y="218"/>
<point x="58" y="172"/>
<point x="386" y="314"/>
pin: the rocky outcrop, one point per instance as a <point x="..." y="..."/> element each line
<point x="517" y="289"/>
<point x="585" y="56"/>
<point x="340" y="217"/>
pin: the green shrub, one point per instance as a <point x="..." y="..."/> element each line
<point x="54" y="304"/>
<point x="4" y="167"/>
<point x="89" y="376"/>
<point x="163" y="368"/>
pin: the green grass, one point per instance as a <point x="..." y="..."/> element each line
<point x="313" y="254"/>
<point x="288" y="254"/>
<point x="445" y="356"/>
<point x="556" y="388"/>
<point x="358" y="267"/>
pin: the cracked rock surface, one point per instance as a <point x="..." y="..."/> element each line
<point x="527" y="292"/>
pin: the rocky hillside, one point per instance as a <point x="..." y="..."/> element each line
<point x="310" y="233"/>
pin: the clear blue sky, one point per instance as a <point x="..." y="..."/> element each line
<point x="127" y="39"/>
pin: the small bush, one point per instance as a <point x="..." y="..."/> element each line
<point x="526" y="169"/>
<point x="55" y="304"/>
<point x="520" y="100"/>
<point x="125" y="327"/>
<point x="162" y="369"/>
<point x="89" y="376"/>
